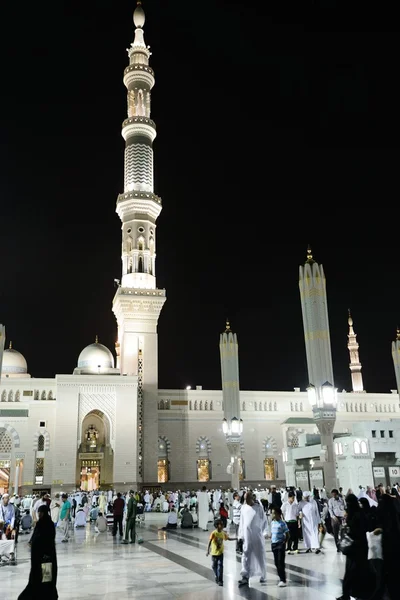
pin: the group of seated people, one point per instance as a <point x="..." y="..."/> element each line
<point x="188" y="518"/>
<point x="7" y="543"/>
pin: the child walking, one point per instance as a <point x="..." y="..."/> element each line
<point x="279" y="537"/>
<point x="216" y="543"/>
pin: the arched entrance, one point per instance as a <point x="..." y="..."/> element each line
<point x="95" y="465"/>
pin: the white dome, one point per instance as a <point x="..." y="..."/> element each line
<point x="13" y="363"/>
<point x="96" y="356"/>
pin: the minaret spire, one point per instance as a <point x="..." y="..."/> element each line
<point x="355" y="365"/>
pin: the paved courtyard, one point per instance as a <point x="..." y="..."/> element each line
<point x="171" y="565"/>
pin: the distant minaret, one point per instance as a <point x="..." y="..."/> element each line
<point x="314" y="307"/>
<point x="355" y="365"/>
<point x="396" y="359"/>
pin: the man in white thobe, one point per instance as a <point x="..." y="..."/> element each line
<point x="253" y="528"/>
<point x="310" y="520"/>
<point x="203" y="507"/>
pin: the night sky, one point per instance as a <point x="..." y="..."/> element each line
<point x="273" y="132"/>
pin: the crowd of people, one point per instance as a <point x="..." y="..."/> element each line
<point x="365" y="527"/>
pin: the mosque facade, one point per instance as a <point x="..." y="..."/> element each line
<point x="108" y="425"/>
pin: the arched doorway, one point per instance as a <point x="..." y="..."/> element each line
<point x="95" y="465"/>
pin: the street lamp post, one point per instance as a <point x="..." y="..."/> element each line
<point x="233" y="430"/>
<point x="323" y="401"/>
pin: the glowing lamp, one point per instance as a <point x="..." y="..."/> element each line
<point x="312" y="395"/>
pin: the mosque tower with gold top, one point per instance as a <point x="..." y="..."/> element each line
<point x="138" y="302"/>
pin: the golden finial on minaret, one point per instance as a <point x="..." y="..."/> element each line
<point x="309" y="254"/>
<point x="227" y="326"/>
<point x="398" y="333"/>
<point x="97" y="339"/>
<point x="350" y="321"/>
<point x="10" y="346"/>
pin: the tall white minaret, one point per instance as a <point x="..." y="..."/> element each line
<point x="396" y="359"/>
<point x="138" y="302"/>
<point x="355" y="365"/>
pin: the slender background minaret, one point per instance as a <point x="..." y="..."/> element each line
<point x="138" y="303"/>
<point x="321" y="390"/>
<point x="396" y="359"/>
<point x="355" y="365"/>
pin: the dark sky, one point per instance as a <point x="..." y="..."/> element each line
<point x="273" y="132"/>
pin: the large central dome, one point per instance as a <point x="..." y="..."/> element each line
<point x="95" y="357"/>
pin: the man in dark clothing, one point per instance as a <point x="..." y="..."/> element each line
<point x="276" y="499"/>
<point x="130" y="519"/>
<point x="118" y="511"/>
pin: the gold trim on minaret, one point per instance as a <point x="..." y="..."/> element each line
<point x="227" y="326"/>
<point x="398" y="333"/>
<point x="10" y="346"/>
<point x="309" y="254"/>
<point x="97" y="339"/>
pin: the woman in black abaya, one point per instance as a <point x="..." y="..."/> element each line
<point x="42" y="578"/>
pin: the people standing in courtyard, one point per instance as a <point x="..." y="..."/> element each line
<point x="216" y="544"/>
<point x="253" y="528"/>
<point x="118" y="513"/>
<point x="336" y="512"/>
<point x="43" y="575"/>
<point x="65" y="517"/>
<point x="130" y="530"/>
<point x="204" y="505"/>
<point x="279" y="536"/>
<point x="290" y="512"/>
<point x="310" y="519"/>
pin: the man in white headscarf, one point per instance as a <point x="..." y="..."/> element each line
<point x="203" y="508"/>
<point x="253" y="528"/>
<point x="310" y="519"/>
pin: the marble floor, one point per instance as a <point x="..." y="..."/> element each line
<point x="171" y="565"/>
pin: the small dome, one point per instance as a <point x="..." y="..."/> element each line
<point x="13" y="362"/>
<point x="96" y="356"/>
<point x="139" y="16"/>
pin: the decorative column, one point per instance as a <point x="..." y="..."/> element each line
<point x="18" y="464"/>
<point x="232" y="425"/>
<point x="321" y="393"/>
<point x="396" y="359"/>
<point x="355" y="365"/>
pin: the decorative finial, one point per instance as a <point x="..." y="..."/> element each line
<point x="227" y="326"/>
<point x="97" y="339"/>
<point x="398" y="332"/>
<point x="10" y="346"/>
<point x="139" y="16"/>
<point x="350" y="320"/>
<point x="309" y="254"/>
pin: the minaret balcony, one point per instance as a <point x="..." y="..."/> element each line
<point x="135" y="73"/>
<point x="139" y="126"/>
<point x="138" y="202"/>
